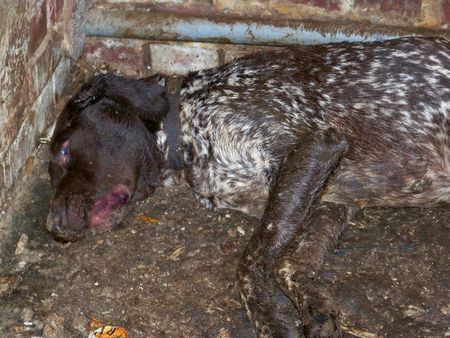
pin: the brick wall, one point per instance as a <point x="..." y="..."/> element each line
<point x="140" y="57"/>
<point x="39" y="38"/>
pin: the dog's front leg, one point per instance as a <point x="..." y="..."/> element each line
<point x="296" y="271"/>
<point x="300" y="181"/>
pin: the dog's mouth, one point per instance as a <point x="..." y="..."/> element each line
<point x="108" y="211"/>
<point x="69" y="219"/>
<point x="104" y="217"/>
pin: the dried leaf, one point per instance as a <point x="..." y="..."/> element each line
<point x="21" y="244"/>
<point x="358" y="333"/>
<point x="178" y="252"/>
<point x="148" y="219"/>
<point x="108" y="331"/>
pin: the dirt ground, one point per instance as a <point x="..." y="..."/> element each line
<point x="172" y="275"/>
<point x="175" y="277"/>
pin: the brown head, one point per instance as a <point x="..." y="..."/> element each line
<point x="104" y="154"/>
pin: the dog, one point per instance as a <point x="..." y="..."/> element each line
<point x="299" y="137"/>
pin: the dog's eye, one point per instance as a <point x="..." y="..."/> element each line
<point x="63" y="156"/>
<point x="65" y="151"/>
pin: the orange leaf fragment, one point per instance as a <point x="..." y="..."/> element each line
<point x="148" y="219"/>
<point x="108" y="331"/>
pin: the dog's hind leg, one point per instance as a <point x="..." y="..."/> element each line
<point x="292" y="201"/>
<point x="296" y="271"/>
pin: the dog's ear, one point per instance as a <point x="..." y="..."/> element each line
<point x="145" y="96"/>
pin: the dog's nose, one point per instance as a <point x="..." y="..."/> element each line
<point x="58" y="230"/>
<point x="54" y="222"/>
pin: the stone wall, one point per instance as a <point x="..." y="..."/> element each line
<point x="38" y="41"/>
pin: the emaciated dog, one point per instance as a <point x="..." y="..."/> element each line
<point x="298" y="137"/>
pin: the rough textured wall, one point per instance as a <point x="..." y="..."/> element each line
<point x="420" y="13"/>
<point x="38" y="40"/>
<point x="141" y="57"/>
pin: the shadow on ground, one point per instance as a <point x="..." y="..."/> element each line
<point x="175" y="277"/>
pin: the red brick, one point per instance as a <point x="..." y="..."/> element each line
<point x="329" y="5"/>
<point x="404" y="8"/>
<point x="447" y="11"/>
<point x="38" y="25"/>
<point x="120" y="54"/>
<point x="54" y="9"/>
<point x="43" y="64"/>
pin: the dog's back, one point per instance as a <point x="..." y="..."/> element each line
<point x="391" y="100"/>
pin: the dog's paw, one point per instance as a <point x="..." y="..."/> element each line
<point x="323" y="325"/>
<point x="316" y="310"/>
<point x="318" y="313"/>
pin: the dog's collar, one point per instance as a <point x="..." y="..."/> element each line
<point x="172" y="121"/>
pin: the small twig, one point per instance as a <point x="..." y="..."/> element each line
<point x="358" y="333"/>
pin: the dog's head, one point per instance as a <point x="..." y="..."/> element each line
<point x="104" y="154"/>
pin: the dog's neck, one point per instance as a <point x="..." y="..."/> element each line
<point x="169" y="136"/>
